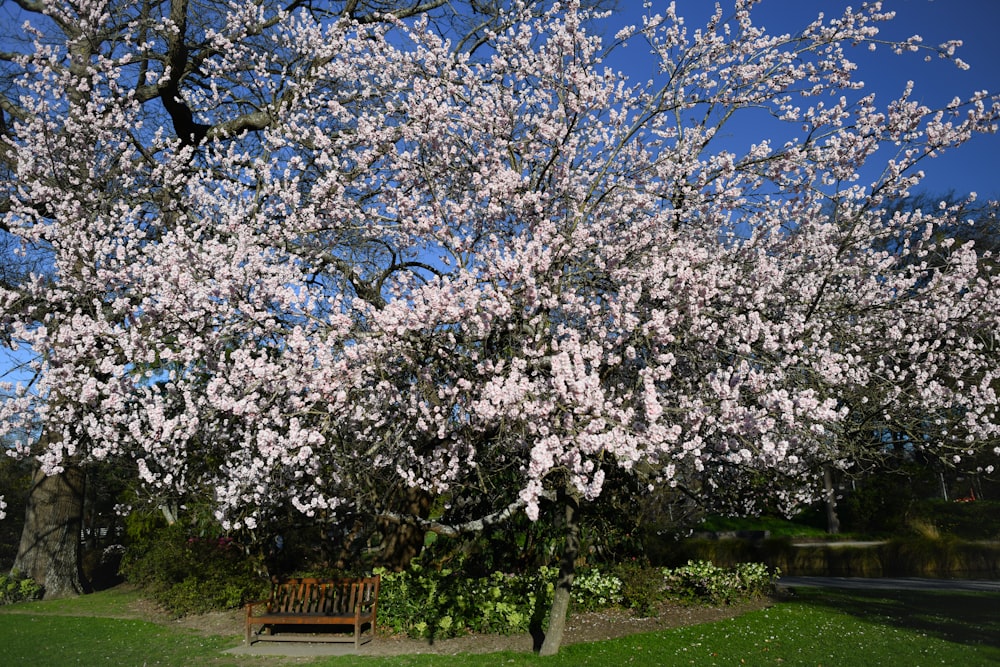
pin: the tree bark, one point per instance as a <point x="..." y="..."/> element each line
<point x="49" y="551"/>
<point x="830" y="497"/>
<point x="567" y="569"/>
<point x="402" y="542"/>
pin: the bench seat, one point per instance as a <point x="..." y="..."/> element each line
<point x="321" y="602"/>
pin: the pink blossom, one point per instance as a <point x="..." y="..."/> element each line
<point x="408" y="266"/>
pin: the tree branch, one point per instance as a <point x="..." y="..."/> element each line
<point x="189" y="132"/>
<point x="455" y="530"/>
<point x="404" y="13"/>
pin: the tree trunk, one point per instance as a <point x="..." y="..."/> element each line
<point x="567" y="569"/>
<point x="830" y="496"/>
<point x="49" y="551"/>
<point x="402" y="542"/>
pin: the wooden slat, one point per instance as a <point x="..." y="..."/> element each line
<point x="352" y="602"/>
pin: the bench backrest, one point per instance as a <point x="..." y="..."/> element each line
<point x="323" y="596"/>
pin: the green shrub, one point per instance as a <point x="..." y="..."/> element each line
<point x="593" y="589"/>
<point x="642" y="588"/>
<point x="702" y="581"/>
<point x="190" y="575"/>
<point x="424" y="602"/>
<point x="442" y="603"/>
<point x="15" y="588"/>
<point x="429" y="603"/>
<point x="755" y="580"/>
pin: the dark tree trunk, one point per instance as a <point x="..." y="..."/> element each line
<point x="567" y="569"/>
<point x="49" y="551"/>
<point x="351" y="547"/>
<point x="830" y="496"/>
<point x="402" y="542"/>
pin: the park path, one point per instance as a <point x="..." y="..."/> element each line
<point x="896" y="584"/>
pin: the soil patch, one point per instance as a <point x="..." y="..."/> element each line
<point x="581" y="627"/>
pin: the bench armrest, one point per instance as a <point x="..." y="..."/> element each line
<point x="255" y="603"/>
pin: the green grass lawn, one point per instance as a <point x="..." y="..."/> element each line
<point x="813" y="627"/>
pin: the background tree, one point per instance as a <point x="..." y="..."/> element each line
<point x="340" y="257"/>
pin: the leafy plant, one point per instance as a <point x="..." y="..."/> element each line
<point x="189" y="575"/>
<point x="594" y="589"/>
<point x="642" y="588"/>
<point x="443" y="603"/>
<point x="425" y="602"/>
<point x="705" y="582"/>
<point x="15" y="588"/>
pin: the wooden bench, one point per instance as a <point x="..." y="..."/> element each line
<point x="328" y="602"/>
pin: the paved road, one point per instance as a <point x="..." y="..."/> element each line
<point x="905" y="584"/>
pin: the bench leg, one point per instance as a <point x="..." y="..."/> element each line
<point x="250" y="633"/>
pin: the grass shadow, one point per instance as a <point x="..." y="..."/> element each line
<point x="955" y="616"/>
